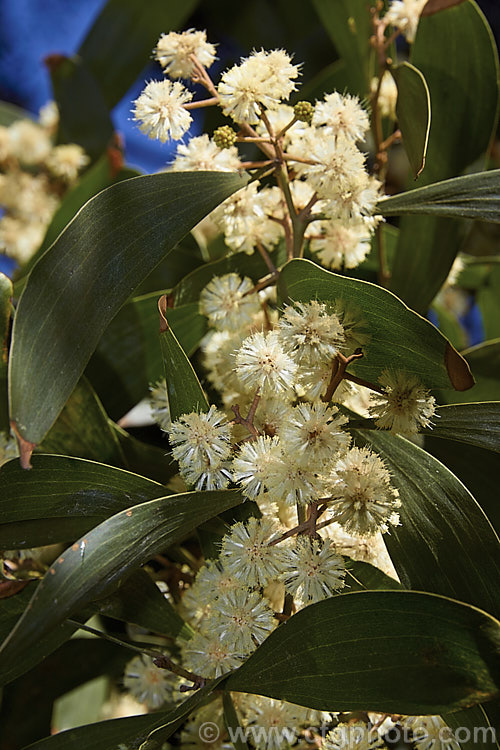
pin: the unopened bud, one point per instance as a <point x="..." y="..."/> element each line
<point x="224" y="137"/>
<point x="303" y="111"/>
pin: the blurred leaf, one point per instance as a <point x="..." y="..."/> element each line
<point x="81" y="705"/>
<point x="401" y="338"/>
<point x="395" y="651"/>
<point x="476" y="721"/>
<point x="184" y="391"/>
<point x="472" y="196"/>
<point x="63" y="498"/>
<point x="5" y="313"/>
<point x="83" y="429"/>
<point x="488" y="299"/>
<point x="445" y="544"/>
<point x="348" y="22"/>
<point x="113" y="243"/>
<point x="474" y="423"/>
<point x="146" y="459"/>
<point x="449" y="326"/>
<point x="361" y="576"/>
<point x="332" y="78"/>
<point x="95" y="565"/>
<point x="10" y="113"/>
<point x="484" y="361"/>
<point x="413" y="110"/>
<point x="464" y="94"/>
<point x="120" y="43"/>
<point x="84" y="116"/>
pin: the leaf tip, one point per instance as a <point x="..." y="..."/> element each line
<point x="25" y="448"/>
<point x="458" y="369"/>
<point x="162" y="308"/>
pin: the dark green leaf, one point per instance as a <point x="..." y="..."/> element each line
<point x="445" y="543"/>
<point x="112" y="244"/>
<point x="95" y="565"/>
<point x="5" y="312"/>
<point x="475" y="722"/>
<point x="146" y="459"/>
<point x="185" y="393"/>
<point x="108" y="50"/>
<point x="472" y="196"/>
<point x="348" y="22"/>
<point x="488" y="300"/>
<point x="484" y="361"/>
<point x="393" y="651"/>
<point x="70" y="494"/>
<point x="475" y="423"/>
<point x="397" y="337"/>
<point x="361" y="576"/>
<point x="232" y="722"/>
<point x="188" y="325"/>
<point x="413" y="110"/>
<point x="84" y="116"/>
<point x="464" y="94"/>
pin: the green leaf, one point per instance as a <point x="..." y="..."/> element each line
<point x="488" y="300"/>
<point x="450" y="326"/>
<point x="475" y="721"/>
<point x="232" y="722"/>
<point x="5" y="312"/>
<point x="389" y="651"/>
<point x="95" y="565"/>
<point x="84" y="117"/>
<point x="464" y="94"/>
<point x="348" y="22"/>
<point x="83" y="429"/>
<point x="188" y="325"/>
<point x="397" y="337"/>
<point x="111" y="245"/>
<point x="445" y="544"/>
<point x="108" y="51"/>
<point x="475" y="424"/>
<point x="146" y="459"/>
<point x="472" y="196"/>
<point x="413" y="110"/>
<point x="484" y="361"/>
<point x="184" y="391"/>
<point x="10" y="113"/>
<point x="361" y="576"/>
<point x="63" y="498"/>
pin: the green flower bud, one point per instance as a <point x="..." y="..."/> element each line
<point x="303" y="111"/>
<point x="224" y="137"/>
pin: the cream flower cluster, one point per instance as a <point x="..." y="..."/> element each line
<point x="34" y="175"/>
<point x="405" y="15"/>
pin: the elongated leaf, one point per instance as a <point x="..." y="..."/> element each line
<point x="488" y="300"/>
<point x="5" y="308"/>
<point x="84" y="116"/>
<point x="392" y="651"/>
<point x="116" y="63"/>
<point x="348" y="23"/>
<point x="474" y="724"/>
<point x="445" y="543"/>
<point x="94" y="566"/>
<point x="185" y="393"/>
<point x="464" y="95"/>
<point x="361" y="576"/>
<point x="473" y="196"/>
<point x="413" y="110"/>
<point x="112" y="244"/>
<point x="232" y="722"/>
<point x="475" y="423"/>
<point x="64" y="498"/>
<point x="396" y="337"/>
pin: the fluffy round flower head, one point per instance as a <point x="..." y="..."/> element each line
<point x="218" y="349"/>
<point x="341" y="115"/>
<point x="277" y="718"/>
<point x="342" y="243"/>
<point x="356" y="735"/>
<point x="315" y="431"/>
<point x="294" y="479"/>
<point x="431" y="733"/>
<point x="406" y="405"/>
<point x="66" y="161"/>
<point x="363" y="501"/>
<point x="314" y="570"/>
<point x="29" y="142"/>
<point x="247" y="555"/>
<point x="201" y="154"/>
<point x="48" y="116"/>
<point x="242" y="620"/>
<point x="405" y="15"/>
<point x="20" y="239"/>
<point x="263" y="79"/>
<point x="159" y="404"/>
<point x="5" y="149"/>
<point x="308" y="333"/>
<point x="201" y="443"/>
<point x="314" y="381"/>
<point x="388" y="95"/>
<point x="271" y="414"/>
<point x="252" y="464"/>
<point x="213" y="580"/>
<point x="194" y="734"/>
<point x="262" y="363"/>
<point x="229" y="302"/>
<point x="160" y="112"/>
<point x="244" y="219"/>
<point x="208" y="656"/>
<point x="147" y="683"/>
<point x="27" y="197"/>
<point x="174" y="51"/>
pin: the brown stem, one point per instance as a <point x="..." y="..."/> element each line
<point x="305" y="526"/>
<point x="248" y="420"/>
<point x="163" y="662"/>
<point x="396" y="136"/>
<point x="384" y="274"/>
<point x="339" y="366"/>
<point x="201" y="103"/>
<point x="365" y="383"/>
<point x="266" y="258"/>
<point x="201" y="76"/>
